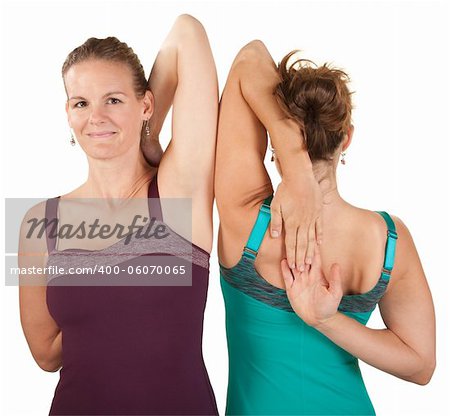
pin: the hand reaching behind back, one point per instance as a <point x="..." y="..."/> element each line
<point x="313" y="298"/>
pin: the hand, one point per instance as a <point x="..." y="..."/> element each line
<point x="152" y="150"/>
<point x="313" y="298"/>
<point x="298" y="203"/>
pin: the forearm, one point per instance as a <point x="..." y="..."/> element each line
<point x="259" y="77"/>
<point x="163" y="79"/>
<point x="380" y="348"/>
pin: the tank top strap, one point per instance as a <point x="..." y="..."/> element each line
<point x="154" y="203"/>
<point x="259" y="230"/>
<point x="391" y="242"/>
<point x="51" y="223"/>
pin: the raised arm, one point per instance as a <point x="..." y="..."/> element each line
<point x="249" y="109"/>
<point x="184" y="75"/>
<point x="406" y="348"/>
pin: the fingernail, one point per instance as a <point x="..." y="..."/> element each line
<point x="292" y="266"/>
<point x="308" y="260"/>
<point x="275" y="234"/>
<point x="302" y="268"/>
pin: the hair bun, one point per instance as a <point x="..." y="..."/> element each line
<point x="319" y="100"/>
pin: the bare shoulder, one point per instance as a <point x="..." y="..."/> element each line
<point x="375" y="224"/>
<point x="401" y="227"/>
<point x="34" y="215"/>
<point x="364" y="225"/>
<point x="369" y="232"/>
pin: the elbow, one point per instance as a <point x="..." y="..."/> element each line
<point x="253" y="52"/>
<point x="47" y="361"/>
<point x="50" y="366"/>
<point x="423" y="376"/>
<point x="426" y="374"/>
<point x="421" y="379"/>
<point x="256" y="47"/>
<point x="189" y="25"/>
<point x="47" y="351"/>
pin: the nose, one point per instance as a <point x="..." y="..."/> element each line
<point x="96" y="115"/>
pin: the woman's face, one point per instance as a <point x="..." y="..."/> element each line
<point x="102" y="108"/>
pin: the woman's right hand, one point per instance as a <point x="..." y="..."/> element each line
<point x="297" y="206"/>
<point x="314" y="298"/>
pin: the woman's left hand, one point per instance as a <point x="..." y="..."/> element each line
<point x="314" y="298"/>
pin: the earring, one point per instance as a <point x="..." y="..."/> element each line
<point x="272" y="158"/>
<point x="147" y="128"/>
<point x="343" y="158"/>
<point x="72" y="139"/>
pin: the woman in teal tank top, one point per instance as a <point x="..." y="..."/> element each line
<point x="295" y="333"/>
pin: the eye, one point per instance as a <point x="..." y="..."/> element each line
<point x="80" y="104"/>
<point x="113" y="100"/>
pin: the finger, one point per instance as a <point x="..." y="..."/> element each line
<point x="303" y="277"/>
<point x="276" y="221"/>
<point x="290" y="242"/>
<point x="310" y="244"/>
<point x="287" y="274"/>
<point x="302" y="242"/>
<point x="317" y="259"/>
<point x="319" y="230"/>
<point x="316" y="267"/>
<point x="298" y="275"/>
<point x="335" y="281"/>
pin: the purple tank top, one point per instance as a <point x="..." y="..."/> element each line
<point x="131" y="350"/>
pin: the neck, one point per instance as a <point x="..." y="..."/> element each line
<point x="119" y="177"/>
<point x="325" y="174"/>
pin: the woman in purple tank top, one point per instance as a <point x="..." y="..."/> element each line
<point x="124" y="345"/>
<point x="127" y="341"/>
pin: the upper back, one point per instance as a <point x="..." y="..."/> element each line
<point x="352" y="237"/>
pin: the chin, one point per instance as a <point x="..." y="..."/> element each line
<point x="102" y="151"/>
<point x="107" y="151"/>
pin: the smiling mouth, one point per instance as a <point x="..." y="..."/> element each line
<point x="101" y="135"/>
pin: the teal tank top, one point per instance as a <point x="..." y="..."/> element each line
<point x="278" y="365"/>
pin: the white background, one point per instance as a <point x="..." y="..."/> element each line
<point x="397" y="54"/>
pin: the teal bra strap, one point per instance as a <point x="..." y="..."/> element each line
<point x="389" y="255"/>
<point x="259" y="230"/>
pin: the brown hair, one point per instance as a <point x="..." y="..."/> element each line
<point x="109" y="49"/>
<point x="318" y="99"/>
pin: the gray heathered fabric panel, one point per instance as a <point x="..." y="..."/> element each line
<point x="365" y="302"/>
<point x="120" y="252"/>
<point x="245" y="278"/>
